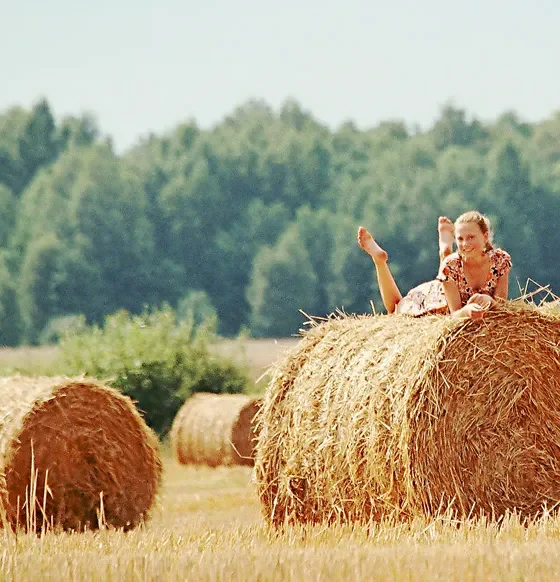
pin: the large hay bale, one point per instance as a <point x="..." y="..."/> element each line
<point x="90" y="446"/>
<point x="377" y="416"/>
<point x="215" y="429"/>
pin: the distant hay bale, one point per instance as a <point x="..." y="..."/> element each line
<point x="393" y="416"/>
<point x="90" y="446"/>
<point x="215" y="429"/>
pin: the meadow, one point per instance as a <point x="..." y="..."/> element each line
<point x="207" y="525"/>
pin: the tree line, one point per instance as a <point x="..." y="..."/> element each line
<point x="255" y="219"/>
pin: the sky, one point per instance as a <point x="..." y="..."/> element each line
<point x="142" y="66"/>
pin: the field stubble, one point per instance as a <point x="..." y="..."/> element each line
<point x="208" y="526"/>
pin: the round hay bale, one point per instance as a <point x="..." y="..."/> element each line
<point x="74" y="454"/>
<point x="215" y="429"/>
<point x="392" y="416"/>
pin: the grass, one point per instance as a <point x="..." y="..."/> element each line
<point x="27" y="361"/>
<point x="208" y="526"/>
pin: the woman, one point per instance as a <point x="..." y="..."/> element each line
<point x="468" y="283"/>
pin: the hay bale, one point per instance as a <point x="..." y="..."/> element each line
<point x="215" y="429"/>
<point x="393" y="416"/>
<point x="87" y="442"/>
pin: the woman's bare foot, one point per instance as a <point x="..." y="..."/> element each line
<point x="367" y="242"/>
<point x="446" y="236"/>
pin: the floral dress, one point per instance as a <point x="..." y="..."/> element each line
<point x="429" y="298"/>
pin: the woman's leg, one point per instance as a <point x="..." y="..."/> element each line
<point x="390" y="293"/>
<point x="446" y="236"/>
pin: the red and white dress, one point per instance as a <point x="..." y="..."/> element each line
<point x="429" y="298"/>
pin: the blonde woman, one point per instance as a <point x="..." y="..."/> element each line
<point x="469" y="282"/>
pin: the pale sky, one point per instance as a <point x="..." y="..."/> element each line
<point x="145" y="66"/>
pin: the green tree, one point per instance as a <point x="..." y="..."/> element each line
<point x="10" y="321"/>
<point x="351" y="153"/>
<point x="543" y="153"/>
<point x="236" y="249"/>
<point x="509" y="125"/>
<point x="196" y="306"/>
<point x="35" y="289"/>
<point x="317" y="229"/>
<point x="452" y="128"/>
<point x="459" y="178"/>
<point x="283" y="283"/>
<point x="352" y="284"/>
<point x="12" y="124"/>
<point x="8" y="209"/>
<point x="513" y="205"/>
<point x="77" y="132"/>
<point x="192" y="207"/>
<point x="38" y="143"/>
<point x="78" y="283"/>
<point x="98" y="209"/>
<point x="10" y="172"/>
<point x="292" y="115"/>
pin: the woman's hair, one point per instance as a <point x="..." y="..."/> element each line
<point x="482" y="221"/>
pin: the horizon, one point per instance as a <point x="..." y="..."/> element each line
<point x="142" y="69"/>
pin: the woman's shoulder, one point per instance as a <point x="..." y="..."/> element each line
<point x="452" y="260"/>
<point x="501" y="260"/>
<point x="450" y="268"/>
<point x="500" y="255"/>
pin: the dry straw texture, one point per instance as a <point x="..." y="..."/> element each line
<point x="87" y="442"/>
<point x="215" y="429"/>
<point x="551" y="308"/>
<point x="394" y="416"/>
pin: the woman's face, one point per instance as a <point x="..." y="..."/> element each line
<point x="471" y="241"/>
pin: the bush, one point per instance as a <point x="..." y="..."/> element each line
<point x="58" y="327"/>
<point x="155" y="358"/>
<point x="196" y="305"/>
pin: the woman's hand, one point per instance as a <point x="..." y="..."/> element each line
<point x="481" y="299"/>
<point x="476" y="307"/>
<point x="471" y="310"/>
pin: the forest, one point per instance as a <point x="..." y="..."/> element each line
<point x="254" y="220"/>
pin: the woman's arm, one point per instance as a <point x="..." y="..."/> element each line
<point x="502" y="287"/>
<point x="453" y="297"/>
<point x="501" y="294"/>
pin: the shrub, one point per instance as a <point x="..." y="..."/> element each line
<point x="58" y="327"/>
<point x="196" y="305"/>
<point x="156" y="358"/>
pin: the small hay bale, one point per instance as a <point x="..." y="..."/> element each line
<point x="87" y="442"/>
<point x="215" y="429"/>
<point x="382" y="416"/>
